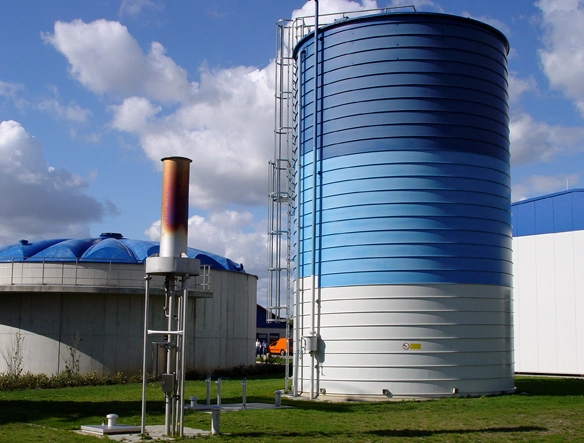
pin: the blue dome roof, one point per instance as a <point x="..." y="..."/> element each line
<point x="108" y="247"/>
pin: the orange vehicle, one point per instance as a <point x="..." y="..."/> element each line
<point x="279" y="347"/>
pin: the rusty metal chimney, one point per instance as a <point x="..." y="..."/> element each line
<point x="174" y="215"/>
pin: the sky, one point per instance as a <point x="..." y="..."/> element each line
<point x="94" y="93"/>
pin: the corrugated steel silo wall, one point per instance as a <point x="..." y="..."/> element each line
<point x="413" y="235"/>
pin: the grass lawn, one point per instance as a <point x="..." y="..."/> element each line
<point x="553" y="411"/>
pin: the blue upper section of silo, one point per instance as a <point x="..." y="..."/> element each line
<point x="109" y="247"/>
<point x="412" y="159"/>
<point x="548" y="214"/>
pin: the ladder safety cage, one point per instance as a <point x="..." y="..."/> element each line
<point x="281" y="177"/>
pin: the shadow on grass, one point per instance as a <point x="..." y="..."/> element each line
<point x="428" y="433"/>
<point x="69" y="412"/>
<point x="550" y="386"/>
<point x="407" y="433"/>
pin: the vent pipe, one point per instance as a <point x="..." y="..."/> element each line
<point x="174" y="216"/>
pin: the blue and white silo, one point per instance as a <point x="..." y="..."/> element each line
<point x="403" y="240"/>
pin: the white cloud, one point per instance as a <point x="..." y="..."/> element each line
<point x="536" y="185"/>
<point x="518" y="86"/>
<point x="331" y="9"/>
<point x="495" y="23"/>
<point x="326" y="7"/>
<point x="134" y="114"/>
<point x="563" y="56"/>
<point x="71" y="112"/>
<point x="538" y="141"/>
<point x="11" y="92"/>
<point x="133" y="8"/>
<point x="37" y="200"/>
<point x="51" y="105"/>
<point x="227" y="130"/>
<point x="86" y="138"/>
<point x="236" y="235"/>
<point x="418" y="5"/>
<point x="106" y="59"/>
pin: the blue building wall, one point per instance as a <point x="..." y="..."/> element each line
<point x="547" y="214"/>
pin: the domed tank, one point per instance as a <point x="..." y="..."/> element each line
<point x="79" y="303"/>
<point x="403" y="241"/>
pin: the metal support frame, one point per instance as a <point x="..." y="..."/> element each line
<point x="175" y="338"/>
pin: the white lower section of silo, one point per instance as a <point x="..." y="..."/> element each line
<point x="405" y="340"/>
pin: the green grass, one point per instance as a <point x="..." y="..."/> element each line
<point x="552" y="412"/>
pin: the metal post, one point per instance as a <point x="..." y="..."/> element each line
<point x="243" y="393"/>
<point x="278" y="398"/>
<point x="168" y="395"/>
<point x="215" y="416"/>
<point x="208" y="381"/>
<point x="314" y="193"/>
<point x="218" y="392"/>
<point x="299" y="289"/>
<point x="144" y="350"/>
<point x="183" y="339"/>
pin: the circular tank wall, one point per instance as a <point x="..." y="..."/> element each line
<point x="83" y="299"/>
<point x="407" y="233"/>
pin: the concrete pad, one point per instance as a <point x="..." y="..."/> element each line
<point x="110" y="430"/>
<point x="154" y="432"/>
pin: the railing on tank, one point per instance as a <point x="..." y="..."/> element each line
<point x="303" y="26"/>
<point x="203" y="282"/>
<point x="86" y="274"/>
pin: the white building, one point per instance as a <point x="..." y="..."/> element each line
<point x="548" y="255"/>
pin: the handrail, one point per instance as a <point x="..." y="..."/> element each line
<point x="85" y="274"/>
<point x="332" y="17"/>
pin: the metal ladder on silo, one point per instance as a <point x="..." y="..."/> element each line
<point x="281" y="179"/>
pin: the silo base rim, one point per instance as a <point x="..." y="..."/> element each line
<point x="339" y="398"/>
